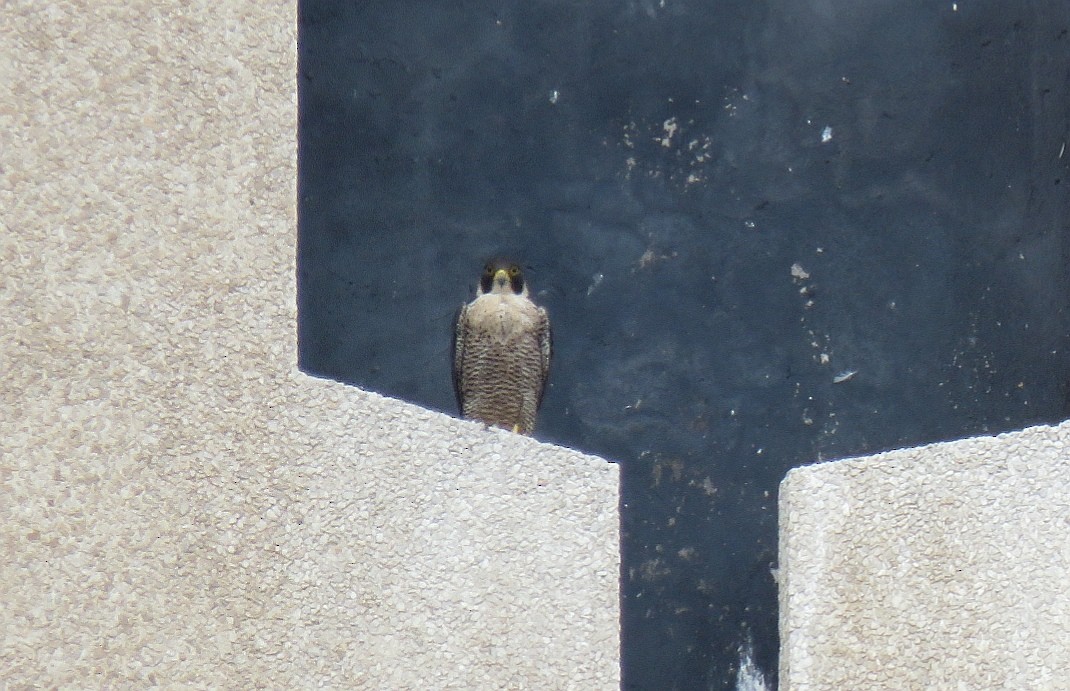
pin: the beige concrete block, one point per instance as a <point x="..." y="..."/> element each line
<point x="180" y="505"/>
<point x="937" y="567"/>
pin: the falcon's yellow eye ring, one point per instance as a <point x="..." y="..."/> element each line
<point x="514" y="271"/>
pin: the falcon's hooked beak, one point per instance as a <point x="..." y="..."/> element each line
<point x="501" y="277"/>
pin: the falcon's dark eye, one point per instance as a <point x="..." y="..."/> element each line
<point x="514" y="271"/>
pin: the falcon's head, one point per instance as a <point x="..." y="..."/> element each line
<point x="502" y="277"/>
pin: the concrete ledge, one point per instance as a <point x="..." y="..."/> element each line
<point x="942" y="566"/>
<point x="180" y="506"/>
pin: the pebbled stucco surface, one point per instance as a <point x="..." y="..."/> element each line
<point x="178" y="504"/>
<point x="935" y="567"/>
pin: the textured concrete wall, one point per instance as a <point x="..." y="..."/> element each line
<point x="938" y="567"/>
<point x="179" y="504"/>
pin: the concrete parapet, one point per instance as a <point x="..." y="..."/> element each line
<point x="180" y="505"/>
<point x="936" y="567"/>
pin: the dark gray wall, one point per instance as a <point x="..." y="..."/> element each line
<point x="660" y="167"/>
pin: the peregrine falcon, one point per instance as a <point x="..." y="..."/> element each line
<point x="501" y="351"/>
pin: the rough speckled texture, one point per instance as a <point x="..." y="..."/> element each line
<point x="181" y="506"/>
<point x="942" y="566"/>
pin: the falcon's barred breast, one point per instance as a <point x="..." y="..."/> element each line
<point x="501" y="351"/>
